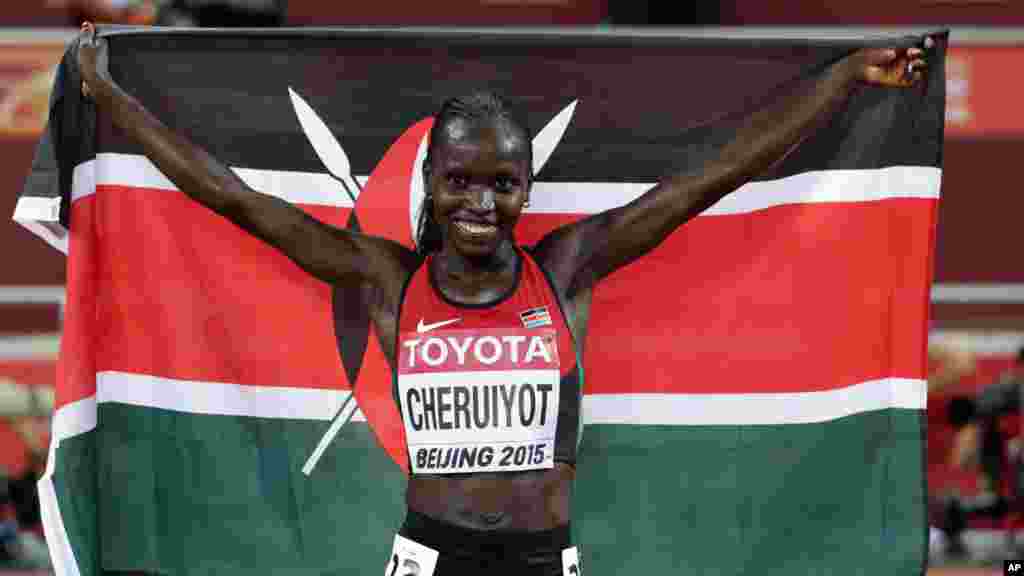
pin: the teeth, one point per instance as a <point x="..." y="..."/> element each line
<point x="474" y="228"/>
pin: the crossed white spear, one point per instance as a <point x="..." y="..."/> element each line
<point x="334" y="158"/>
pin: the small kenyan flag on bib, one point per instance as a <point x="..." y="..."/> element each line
<point x="536" y="317"/>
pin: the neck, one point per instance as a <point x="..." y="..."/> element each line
<point x="452" y="264"/>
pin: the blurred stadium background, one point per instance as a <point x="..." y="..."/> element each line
<point x="978" y="297"/>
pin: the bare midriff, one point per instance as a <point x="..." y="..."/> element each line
<point x="531" y="501"/>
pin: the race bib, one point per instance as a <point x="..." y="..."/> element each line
<point x="410" y="558"/>
<point x="571" y="562"/>
<point x="479" y="400"/>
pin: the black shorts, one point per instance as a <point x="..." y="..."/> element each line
<point x="468" y="552"/>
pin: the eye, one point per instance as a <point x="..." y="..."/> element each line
<point x="506" y="183"/>
<point x="457" y="181"/>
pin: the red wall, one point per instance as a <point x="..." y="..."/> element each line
<point x="395" y="12"/>
<point x="872" y="12"/>
<point x="32" y="13"/>
<point x="438" y="12"/>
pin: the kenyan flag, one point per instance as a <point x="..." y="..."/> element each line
<point x="755" y="386"/>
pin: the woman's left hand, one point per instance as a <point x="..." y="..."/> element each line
<point x="894" y="67"/>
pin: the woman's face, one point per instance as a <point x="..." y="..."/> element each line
<point x="479" y="179"/>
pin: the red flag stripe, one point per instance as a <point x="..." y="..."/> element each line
<point x="786" y="300"/>
<point x="789" y="299"/>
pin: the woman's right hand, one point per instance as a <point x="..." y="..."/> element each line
<point x="92" y="61"/>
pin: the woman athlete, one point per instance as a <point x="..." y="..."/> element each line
<point x="492" y="457"/>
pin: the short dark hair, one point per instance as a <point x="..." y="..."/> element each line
<point x="478" y="106"/>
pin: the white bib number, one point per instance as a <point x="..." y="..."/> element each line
<point x="479" y="401"/>
<point x="410" y="558"/>
<point x="571" y="562"/>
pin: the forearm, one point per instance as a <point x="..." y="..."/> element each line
<point x="328" y="253"/>
<point x="763" y="139"/>
<point x="319" y="249"/>
<point x="770" y="133"/>
<point x="612" y="239"/>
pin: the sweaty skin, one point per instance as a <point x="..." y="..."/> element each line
<point x="479" y="179"/>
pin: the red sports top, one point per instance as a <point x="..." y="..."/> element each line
<point x="472" y="379"/>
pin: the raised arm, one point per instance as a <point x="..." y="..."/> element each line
<point x="331" y="254"/>
<point x="580" y="254"/>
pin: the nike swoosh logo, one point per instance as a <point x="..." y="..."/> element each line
<point x="421" y="327"/>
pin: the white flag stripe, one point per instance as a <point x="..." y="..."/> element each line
<point x="83" y="179"/>
<point x="41" y="216"/>
<point x="111" y="169"/>
<point x="807" y="188"/>
<point x="833" y="186"/>
<point x="219" y="398"/>
<point x="637" y="409"/>
<point x="825" y="186"/>
<point x="37" y="208"/>
<point x="68" y="421"/>
<point x="754" y="409"/>
<point x="62" y="556"/>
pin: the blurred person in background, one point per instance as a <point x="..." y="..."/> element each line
<point x="25" y="102"/>
<point x="202" y="13"/>
<point x="26" y="409"/>
<point x="976" y="420"/>
<point x="948" y="362"/>
<point x="223" y="13"/>
<point x="980" y="445"/>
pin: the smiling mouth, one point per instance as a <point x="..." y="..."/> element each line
<point x="475" y="228"/>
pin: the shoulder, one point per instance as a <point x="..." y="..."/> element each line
<point x="555" y="256"/>
<point x="393" y="270"/>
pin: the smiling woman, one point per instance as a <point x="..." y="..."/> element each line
<point x="485" y="337"/>
<point x="478" y="151"/>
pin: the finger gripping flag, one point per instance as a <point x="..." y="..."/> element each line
<point x="755" y="384"/>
